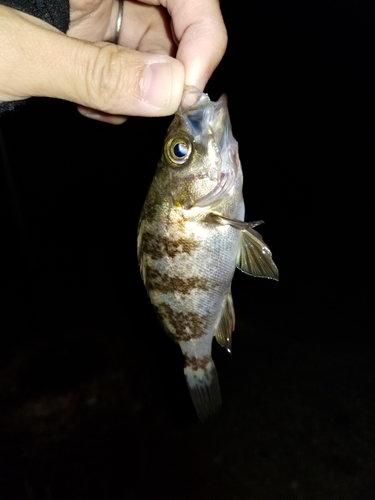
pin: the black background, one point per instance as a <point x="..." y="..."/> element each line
<point x="93" y="402"/>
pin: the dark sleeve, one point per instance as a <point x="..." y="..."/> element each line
<point x="54" y="12"/>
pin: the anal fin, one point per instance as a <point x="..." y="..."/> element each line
<point x="226" y="323"/>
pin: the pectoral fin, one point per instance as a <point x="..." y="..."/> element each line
<point x="226" y="323"/>
<point x="255" y="258"/>
<point x="215" y="218"/>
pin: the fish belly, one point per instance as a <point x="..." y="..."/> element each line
<point x="187" y="285"/>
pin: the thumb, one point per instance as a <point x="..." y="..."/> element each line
<point x="45" y="62"/>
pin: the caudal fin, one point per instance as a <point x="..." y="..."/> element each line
<point x="203" y="383"/>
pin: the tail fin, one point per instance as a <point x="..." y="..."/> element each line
<point x="203" y="383"/>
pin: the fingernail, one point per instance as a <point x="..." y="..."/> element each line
<point x="89" y="113"/>
<point x="157" y="84"/>
<point x="101" y="116"/>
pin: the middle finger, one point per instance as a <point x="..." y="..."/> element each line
<point x="146" y="28"/>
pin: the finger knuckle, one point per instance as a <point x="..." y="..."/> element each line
<point x="111" y="79"/>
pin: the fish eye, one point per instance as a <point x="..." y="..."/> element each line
<point x="177" y="150"/>
<point x="180" y="150"/>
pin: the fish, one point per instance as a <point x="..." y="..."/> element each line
<point x="192" y="236"/>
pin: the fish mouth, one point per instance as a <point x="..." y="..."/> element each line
<point x="217" y="194"/>
<point x="212" y="197"/>
<point x="208" y="121"/>
<point x="200" y="114"/>
<point x="208" y="125"/>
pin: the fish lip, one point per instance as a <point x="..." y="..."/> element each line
<point x="218" y="193"/>
<point x="191" y="99"/>
<point x="213" y="197"/>
<point x="200" y="114"/>
<point x="193" y="177"/>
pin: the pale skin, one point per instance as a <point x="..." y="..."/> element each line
<point x="163" y="45"/>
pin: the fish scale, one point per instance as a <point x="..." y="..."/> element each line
<point x="191" y="237"/>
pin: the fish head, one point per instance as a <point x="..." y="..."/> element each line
<point x="200" y="152"/>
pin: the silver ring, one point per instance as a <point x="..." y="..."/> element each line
<point x="119" y="21"/>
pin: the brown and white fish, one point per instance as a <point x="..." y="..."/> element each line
<point x="192" y="236"/>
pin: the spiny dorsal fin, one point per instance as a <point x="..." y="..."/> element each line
<point x="226" y="323"/>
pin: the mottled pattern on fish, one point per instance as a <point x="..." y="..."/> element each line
<point x="191" y="237"/>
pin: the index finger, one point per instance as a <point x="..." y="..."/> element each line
<point x="200" y="31"/>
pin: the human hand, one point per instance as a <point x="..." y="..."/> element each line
<point x="139" y="76"/>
